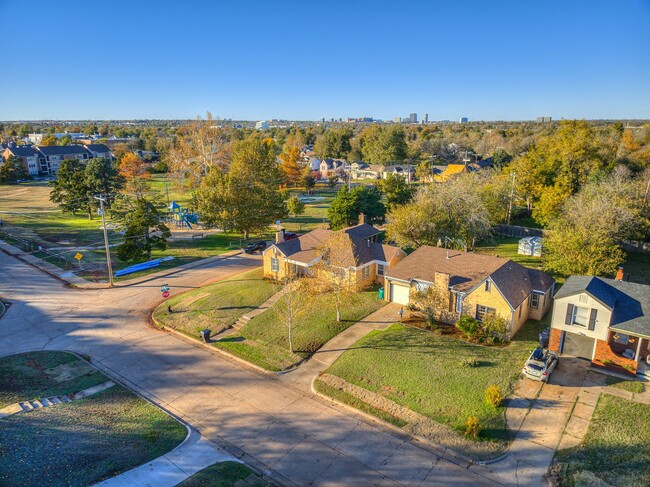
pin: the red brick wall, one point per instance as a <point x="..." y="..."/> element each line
<point x="604" y="352"/>
<point x="555" y="339"/>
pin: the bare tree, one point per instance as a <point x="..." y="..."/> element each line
<point x="199" y="148"/>
<point x="335" y="272"/>
<point x="292" y="303"/>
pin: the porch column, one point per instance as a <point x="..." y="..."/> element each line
<point x="638" y="349"/>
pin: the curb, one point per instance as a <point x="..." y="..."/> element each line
<point x="458" y="459"/>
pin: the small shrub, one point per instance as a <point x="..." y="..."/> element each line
<point x="470" y="362"/>
<point x="473" y="427"/>
<point x="496" y="329"/>
<point x="493" y="396"/>
<point x="468" y="325"/>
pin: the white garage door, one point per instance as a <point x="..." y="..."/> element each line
<point x="399" y="294"/>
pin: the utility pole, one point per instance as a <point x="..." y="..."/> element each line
<point x="108" y="250"/>
<point x="512" y="195"/>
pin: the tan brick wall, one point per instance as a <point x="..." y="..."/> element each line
<point x="604" y="352"/>
<point x="282" y="273"/>
<point x="491" y="299"/>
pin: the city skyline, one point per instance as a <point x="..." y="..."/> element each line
<point x="308" y="62"/>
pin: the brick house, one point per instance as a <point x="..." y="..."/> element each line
<point x="472" y="284"/>
<point x="606" y="321"/>
<point x="299" y="255"/>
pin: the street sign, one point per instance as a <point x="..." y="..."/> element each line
<point x="165" y="294"/>
<point x="164" y="288"/>
<point x="78" y="256"/>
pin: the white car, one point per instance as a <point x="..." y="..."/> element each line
<point x="541" y="364"/>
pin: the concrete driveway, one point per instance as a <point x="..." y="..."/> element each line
<point x="293" y="436"/>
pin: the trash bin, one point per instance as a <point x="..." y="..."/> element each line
<point x="544" y="338"/>
<point x="205" y="335"/>
<point x="381" y="293"/>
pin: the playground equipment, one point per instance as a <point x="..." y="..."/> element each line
<point x="181" y="217"/>
<point x="142" y="266"/>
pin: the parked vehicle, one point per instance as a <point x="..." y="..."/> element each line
<point x="541" y="364"/>
<point x="256" y="246"/>
<point x="290" y="235"/>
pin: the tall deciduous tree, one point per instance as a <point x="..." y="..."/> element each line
<point x="383" y="144"/>
<point x="334" y="142"/>
<point x="247" y="198"/>
<point x="291" y="168"/>
<point x="349" y="204"/>
<point x="13" y="170"/>
<point x="199" y="148"/>
<point x="396" y="190"/>
<point x="291" y="303"/>
<point x="131" y="167"/>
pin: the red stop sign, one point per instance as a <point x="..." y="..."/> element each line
<point x="165" y="294"/>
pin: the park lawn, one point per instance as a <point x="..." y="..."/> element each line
<point x="616" y="448"/>
<point x="224" y="474"/>
<point x="78" y="443"/>
<point x="216" y="306"/>
<point x="264" y="341"/>
<point x="315" y="214"/>
<point x="427" y="372"/>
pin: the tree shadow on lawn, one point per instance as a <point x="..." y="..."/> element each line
<point x="203" y="310"/>
<point x="234" y="339"/>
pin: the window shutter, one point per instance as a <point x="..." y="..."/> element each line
<point x="592" y="319"/>
<point x="569" y="314"/>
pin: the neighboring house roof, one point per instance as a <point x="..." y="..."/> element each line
<point x="363" y="231"/>
<point x="451" y="170"/>
<point x="304" y="249"/>
<point x="22" y="151"/>
<point x="97" y="147"/>
<point x="60" y="150"/>
<point x="467" y="270"/>
<point x="628" y="301"/>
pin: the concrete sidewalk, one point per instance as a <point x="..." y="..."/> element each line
<point x="332" y="350"/>
<point x="195" y="454"/>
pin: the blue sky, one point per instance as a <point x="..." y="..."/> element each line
<point x="500" y="60"/>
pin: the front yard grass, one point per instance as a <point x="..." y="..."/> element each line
<point x="616" y="448"/>
<point x="76" y="443"/>
<point x="216" y="306"/>
<point x="264" y="340"/>
<point x="428" y="373"/>
<point x="626" y="385"/>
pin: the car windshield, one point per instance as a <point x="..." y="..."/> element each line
<point x="536" y="366"/>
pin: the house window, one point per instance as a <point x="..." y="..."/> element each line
<point x="380" y="269"/>
<point x="483" y="312"/>
<point x="275" y="264"/>
<point x="365" y="272"/>
<point x="621" y="338"/>
<point x="534" y="301"/>
<point x="580" y="316"/>
<point x="583" y="298"/>
<point x="488" y="286"/>
<point x="520" y="308"/>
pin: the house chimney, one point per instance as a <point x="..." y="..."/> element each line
<point x="362" y="219"/>
<point x="279" y="236"/>
<point x="447" y="254"/>
<point x="619" y="274"/>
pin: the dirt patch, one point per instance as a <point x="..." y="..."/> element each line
<point x="417" y="424"/>
<point x="69" y="371"/>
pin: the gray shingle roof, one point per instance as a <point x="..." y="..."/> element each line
<point x="23" y="150"/>
<point x="629" y="301"/>
<point x="97" y="147"/>
<point x="364" y="231"/>
<point x="467" y="270"/>
<point x="60" y="150"/>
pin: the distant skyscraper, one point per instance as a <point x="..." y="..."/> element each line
<point x="397" y="119"/>
<point x="426" y="118"/>
<point x="544" y="119"/>
<point x="413" y="118"/>
<point x="464" y="120"/>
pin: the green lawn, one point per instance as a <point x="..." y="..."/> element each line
<point x="626" y="385"/>
<point x="507" y="248"/>
<point x="224" y="474"/>
<point x="315" y="212"/>
<point x="78" y="443"/>
<point x="264" y="340"/>
<point x="217" y="305"/>
<point x="616" y="448"/>
<point x="427" y="373"/>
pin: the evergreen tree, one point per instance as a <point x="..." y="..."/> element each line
<point x="144" y="231"/>
<point x="349" y="204"/>
<point x="13" y="170"/>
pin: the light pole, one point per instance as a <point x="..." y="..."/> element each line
<point x="512" y="195"/>
<point x="108" y="250"/>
